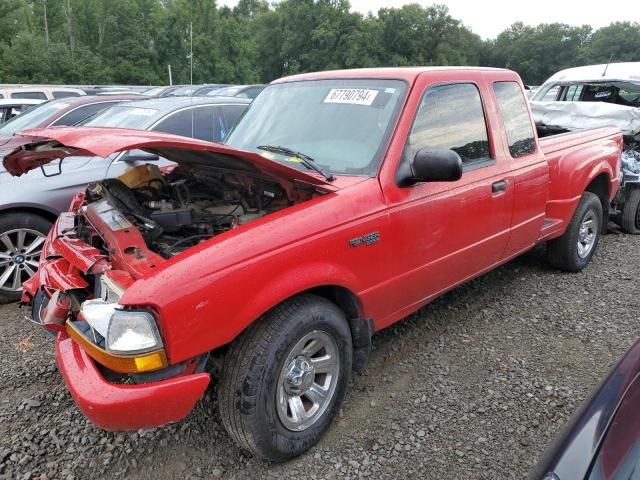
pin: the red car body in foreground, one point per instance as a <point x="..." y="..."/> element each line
<point x="295" y="295"/>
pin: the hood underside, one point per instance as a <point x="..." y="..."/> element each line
<point x="61" y="142"/>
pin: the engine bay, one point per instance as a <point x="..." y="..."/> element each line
<point x="187" y="206"/>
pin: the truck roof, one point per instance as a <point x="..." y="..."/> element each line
<point x="403" y="73"/>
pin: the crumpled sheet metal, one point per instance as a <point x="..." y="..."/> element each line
<point x="583" y="115"/>
<point x="631" y="162"/>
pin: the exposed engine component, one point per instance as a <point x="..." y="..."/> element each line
<point x="179" y="210"/>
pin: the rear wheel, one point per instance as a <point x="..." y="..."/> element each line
<point x="630" y="221"/>
<point x="573" y="250"/>
<point x="21" y="238"/>
<point x="285" y="377"/>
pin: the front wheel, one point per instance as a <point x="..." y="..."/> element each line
<point x="573" y="250"/>
<point x="21" y="238"/>
<point x="285" y="377"/>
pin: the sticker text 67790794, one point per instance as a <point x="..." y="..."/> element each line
<point x="352" y="96"/>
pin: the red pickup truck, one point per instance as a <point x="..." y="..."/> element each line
<point x="340" y="203"/>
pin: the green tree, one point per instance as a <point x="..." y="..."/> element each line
<point x="133" y="41"/>
<point x="538" y="52"/>
<point x="618" y="42"/>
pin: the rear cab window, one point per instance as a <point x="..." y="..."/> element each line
<point x="515" y="115"/>
<point x="452" y="117"/>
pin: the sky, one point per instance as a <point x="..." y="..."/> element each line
<point x="488" y="18"/>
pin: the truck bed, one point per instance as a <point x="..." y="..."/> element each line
<point x="572" y="152"/>
<point x="552" y="144"/>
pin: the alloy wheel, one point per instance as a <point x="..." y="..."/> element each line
<point x="307" y="381"/>
<point x="587" y="234"/>
<point x="20" y="251"/>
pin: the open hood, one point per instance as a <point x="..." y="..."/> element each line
<point x="61" y="142"/>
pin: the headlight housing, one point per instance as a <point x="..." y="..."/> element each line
<point x="125" y="341"/>
<point x="131" y="332"/>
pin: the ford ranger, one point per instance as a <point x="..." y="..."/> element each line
<point x="340" y="203"/>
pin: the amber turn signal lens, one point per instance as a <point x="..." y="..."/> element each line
<point x="144" y="362"/>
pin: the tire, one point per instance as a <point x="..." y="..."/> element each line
<point x="263" y="365"/>
<point x="630" y="219"/>
<point x="575" y="248"/>
<point x="32" y="229"/>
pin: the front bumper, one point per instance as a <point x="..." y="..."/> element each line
<point x="125" y="407"/>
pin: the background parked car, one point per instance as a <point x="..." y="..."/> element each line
<point x="211" y="87"/>
<point x="183" y="91"/>
<point x="37" y="92"/>
<point x="112" y="89"/>
<point x="240" y="91"/>
<point x="29" y="204"/>
<point x="601" y="441"/>
<point x="12" y="108"/>
<point x="594" y="96"/>
<point x="54" y="113"/>
<point x="158" y="91"/>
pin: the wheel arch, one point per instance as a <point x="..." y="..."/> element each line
<point x="34" y="210"/>
<point x="361" y="328"/>
<point x="347" y="300"/>
<point x="600" y="186"/>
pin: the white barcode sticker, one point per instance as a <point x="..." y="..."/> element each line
<point x="351" y="96"/>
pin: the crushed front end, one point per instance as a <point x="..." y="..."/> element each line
<point x="112" y="356"/>
<point x="113" y="353"/>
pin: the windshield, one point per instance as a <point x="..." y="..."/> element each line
<point x="342" y="124"/>
<point x="122" y="117"/>
<point x="32" y="118"/>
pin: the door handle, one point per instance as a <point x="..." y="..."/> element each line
<point x="498" y="187"/>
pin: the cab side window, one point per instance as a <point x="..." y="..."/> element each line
<point x="517" y="122"/>
<point x="451" y="117"/>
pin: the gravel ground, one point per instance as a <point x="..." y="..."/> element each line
<point x="474" y="386"/>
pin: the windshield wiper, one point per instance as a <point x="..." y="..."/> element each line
<point x="306" y="160"/>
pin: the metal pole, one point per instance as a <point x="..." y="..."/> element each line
<point x="191" y="68"/>
<point x="170" y="78"/>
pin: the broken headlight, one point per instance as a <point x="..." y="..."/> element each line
<point x="132" y="332"/>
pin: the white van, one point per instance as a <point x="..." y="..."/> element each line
<point x="38" y="92"/>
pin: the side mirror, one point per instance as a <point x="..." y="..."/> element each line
<point x="139" y="156"/>
<point x="435" y="165"/>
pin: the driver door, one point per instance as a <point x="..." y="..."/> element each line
<point x="448" y="232"/>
